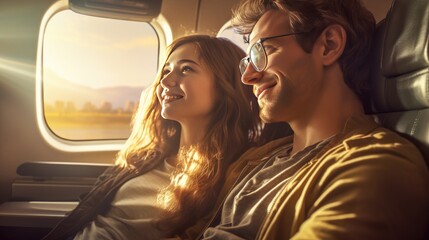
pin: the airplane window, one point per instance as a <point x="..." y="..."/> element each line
<point x="94" y="70"/>
<point x="228" y="32"/>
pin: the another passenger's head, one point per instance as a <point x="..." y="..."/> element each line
<point x="306" y="20"/>
<point x="229" y="104"/>
<point x="218" y="96"/>
<point x="198" y="83"/>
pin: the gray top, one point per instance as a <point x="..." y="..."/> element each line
<point x="132" y="210"/>
<point x="248" y="203"/>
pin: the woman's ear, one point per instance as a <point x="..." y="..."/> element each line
<point x="333" y="41"/>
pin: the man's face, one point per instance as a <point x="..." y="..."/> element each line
<point x="287" y="89"/>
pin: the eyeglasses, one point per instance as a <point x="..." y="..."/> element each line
<point x="257" y="55"/>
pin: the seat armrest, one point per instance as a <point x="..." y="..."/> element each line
<point x="34" y="214"/>
<point x="61" y="169"/>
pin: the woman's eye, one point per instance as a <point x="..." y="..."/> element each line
<point x="186" y="69"/>
<point x="164" y="73"/>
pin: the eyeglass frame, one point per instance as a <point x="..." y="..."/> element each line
<point x="246" y="60"/>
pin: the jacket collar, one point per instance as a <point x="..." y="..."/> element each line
<point x="357" y="125"/>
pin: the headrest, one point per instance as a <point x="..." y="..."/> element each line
<point x="400" y="58"/>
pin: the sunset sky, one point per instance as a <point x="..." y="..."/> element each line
<point x="98" y="52"/>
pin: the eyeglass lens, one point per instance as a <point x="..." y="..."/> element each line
<point x="243" y="64"/>
<point x="256" y="56"/>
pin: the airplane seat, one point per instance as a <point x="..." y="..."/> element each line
<point x="400" y="72"/>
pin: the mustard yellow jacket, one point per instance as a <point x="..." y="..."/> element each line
<point x="367" y="183"/>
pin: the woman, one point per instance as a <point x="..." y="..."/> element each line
<point x="197" y="121"/>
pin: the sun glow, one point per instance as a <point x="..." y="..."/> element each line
<point x="190" y="161"/>
<point x="181" y="180"/>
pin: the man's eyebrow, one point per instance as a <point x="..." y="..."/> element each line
<point x="246" y="38"/>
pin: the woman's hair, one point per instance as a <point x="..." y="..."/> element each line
<point x="314" y="16"/>
<point x="233" y="128"/>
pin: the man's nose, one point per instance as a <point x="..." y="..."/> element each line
<point x="250" y="75"/>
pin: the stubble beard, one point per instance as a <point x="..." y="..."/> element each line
<point x="272" y="109"/>
<point x="265" y="111"/>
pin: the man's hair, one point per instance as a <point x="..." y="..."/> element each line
<point x="314" y="16"/>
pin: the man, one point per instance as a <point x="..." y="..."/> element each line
<point x="340" y="176"/>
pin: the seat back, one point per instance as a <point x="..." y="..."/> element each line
<point x="400" y="72"/>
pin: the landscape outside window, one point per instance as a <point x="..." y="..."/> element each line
<point x="94" y="70"/>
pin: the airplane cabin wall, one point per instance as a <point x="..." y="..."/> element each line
<point x="20" y="139"/>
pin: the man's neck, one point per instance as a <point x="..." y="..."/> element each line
<point x="336" y="106"/>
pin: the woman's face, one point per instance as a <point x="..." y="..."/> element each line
<point x="187" y="89"/>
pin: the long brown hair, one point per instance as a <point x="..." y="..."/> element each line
<point x="235" y="126"/>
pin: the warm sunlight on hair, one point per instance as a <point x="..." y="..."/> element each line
<point x="189" y="160"/>
<point x="165" y="198"/>
<point x="140" y="137"/>
<point x="192" y="159"/>
<point x="181" y="180"/>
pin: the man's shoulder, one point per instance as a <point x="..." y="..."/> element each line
<point x="380" y="145"/>
<point x="378" y="138"/>
<point x="363" y="141"/>
<point x="364" y="132"/>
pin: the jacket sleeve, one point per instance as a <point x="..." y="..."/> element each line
<point x="376" y="195"/>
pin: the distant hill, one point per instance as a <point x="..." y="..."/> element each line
<point x="57" y="89"/>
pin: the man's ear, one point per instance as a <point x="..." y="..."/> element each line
<point x="333" y="40"/>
